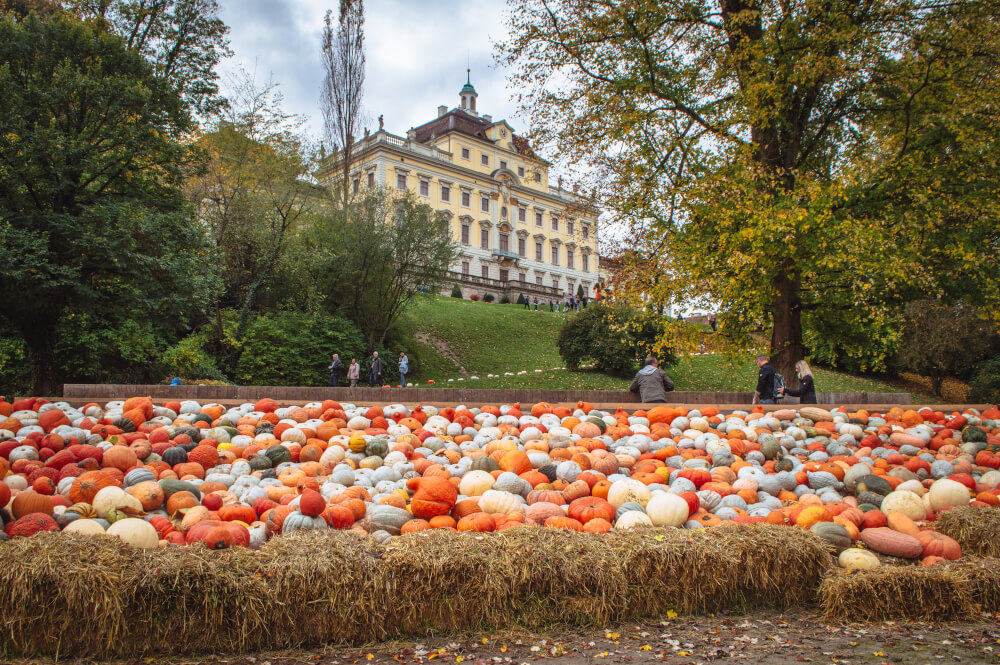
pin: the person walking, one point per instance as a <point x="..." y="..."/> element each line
<point x="552" y="306"/>
<point x="404" y="368"/>
<point x="712" y="322"/>
<point x="527" y="302"/>
<point x="652" y="383"/>
<point x="335" y="368"/>
<point x="354" y="372"/>
<point x="536" y="304"/>
<point x="375" y="373"/>
<point x="764" y="393"/>
<point x="807" y="390"/>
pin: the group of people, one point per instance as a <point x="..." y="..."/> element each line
<point x="374" y="370"/>
<point x="571" y="304"/>
<point x="653" y="384"/>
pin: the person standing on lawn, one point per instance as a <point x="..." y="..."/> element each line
<point x="375" y="373"/>
<point x="652" y="383"/>
<point x="354" y="372"/>
<point x="764" y="394"/>
<point x="404" y="368"/>
<point x="807" y="390"/>
<point x="335" y="368"/>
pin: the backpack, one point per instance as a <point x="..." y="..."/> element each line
<point x="779" y="384"/>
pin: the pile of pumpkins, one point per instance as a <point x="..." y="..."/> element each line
<point x="177" y="473"/>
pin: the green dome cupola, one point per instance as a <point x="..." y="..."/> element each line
<point x="468" y="95"/>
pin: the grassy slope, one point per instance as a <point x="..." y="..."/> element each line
<point x="494" y="339"/>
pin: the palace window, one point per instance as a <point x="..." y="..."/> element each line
<point x="503" y="212"/>
<point x="445" y="193"/>
<point x="522" y="214"/>
<point x="484" y="203"/>
<point x="538" y="251"/>
<point x="586" y="232"/>
<point x="504" y="274"/>
<point x="466" y="200"/>
<point x="484" y="238"/>
<point x="503" y="164"/>
<point x="585" y="260"/>
<point x="538" y="177"/>
<point x="486" y="272"/>
<point x="538" y="219"/>
<point x="555" y="255"/>
<point x="555" y="222"/>
<point x="569" y="227"/>
<point x="465" y="234"/>
<point x="465" y="153"/>
<point x="522" y="277"/>
<point x="570" y="259"/>
<point x="465" y="267"/>
<point x="401" y="181"/>
<point x="371" y="178"/>
<point x="425" y="188"/>
<point x="538" y="280"/>
<point x="555" y="282"/>
<point x="522" y="247"/>
<point x="485" y="160"/>
<point x="356" y="185"/>
<point x="520" y="171"/>
<point x="504" y="242"/>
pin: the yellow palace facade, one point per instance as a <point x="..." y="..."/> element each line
<point x="516" y="233"/>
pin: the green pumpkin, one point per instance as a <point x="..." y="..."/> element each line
<point x="770" y="447"/>
<point x="485" y="463"/>
<point x="784" y="464"/>
<point x="171" y="486"/>
<point x="259" y="463"/>
<point x="371" y="462"/>
<point x="833" y="533"/>
<point x="973" y="434"/>
<point x="377" y="447"/>
<point x="124" y="424"/>
<point x="874" y="484"/>
<point x="201" y="417"/>
<point x="601" y="425"/>
<point x="278" y="455"/>
<point x="865" y="507"/>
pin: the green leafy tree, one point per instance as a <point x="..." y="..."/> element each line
<point x="91" y="214"/>
<point x="749" y="148"/>
<point x="367" y="258"/>
<point x="614" y="338"/>
<point x="941" y="340"/>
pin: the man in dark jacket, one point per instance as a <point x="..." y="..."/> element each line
<point x="764" y="394"/>
<point x="375" y="374"/>
<point x="335" y="368"/>
<point x="652" y="383"/>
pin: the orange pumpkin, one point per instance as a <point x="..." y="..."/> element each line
<point x="432" y="496"/>
<point x="481" y="522"/>
<point x="590" y="508"/>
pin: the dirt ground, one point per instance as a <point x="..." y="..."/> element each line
<point x="769" y="638"/>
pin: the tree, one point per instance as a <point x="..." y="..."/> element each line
<point x="252" y="191"/>
<point x="743" y="142"/>
<point x="941" y="340"/>
<point x="613" y="337"/>
<point x="183" y="39"/>
<point x="368" y="258"/>
<point x="91" y="214"/>
<point x="343" y="84"/>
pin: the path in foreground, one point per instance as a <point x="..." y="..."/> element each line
<point x="770" y="638"/>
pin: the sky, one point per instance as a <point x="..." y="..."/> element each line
<point x="417" y="53"/>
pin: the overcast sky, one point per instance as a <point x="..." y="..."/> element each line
<point x="417" y="52"/>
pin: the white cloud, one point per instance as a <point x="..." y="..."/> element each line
<point x="417" y="52"/>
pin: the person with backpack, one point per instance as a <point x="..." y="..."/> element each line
<point x="767" y="380"/>
<point x="807" y="390"/>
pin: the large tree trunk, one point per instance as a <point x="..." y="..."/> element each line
<point x="786" y="332"/>
<point x="43" y="364"/>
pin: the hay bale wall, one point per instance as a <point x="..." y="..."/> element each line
<point x="975" y="528"/>
<point x="96" y="597"/>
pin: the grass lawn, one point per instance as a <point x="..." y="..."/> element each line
<point x="489" y="338"/>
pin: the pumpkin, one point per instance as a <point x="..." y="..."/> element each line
<point x="311" y="503"/>
<point x="122" y="458"/>
<point x="219" y="538"/>
<point x="494" y="501"/>
<point x="858" y="559"/>
<point x="666" y="509"/>
<point x="339" y="517"/>
<point x="475" y="483"/>
<point x="149" y="493"/>
<point x="235" y="512"/>
<point x="945" y="493"/>
<point x="297" y="521"/>
<point x="903" y="524"/>
<point x="432" y="496"/>
<point x="239" y="535"/>
<point x="481" y="522"/>
<point x="835" y="534"/>
<point x="85" y="527"/>
<point x="87" y="485"/>
<point x="892" y="543"/>
<point x="29" y="502"/>
<point x="626" y="491"/>
<point x="136" y="532"/>
<point x="387" y="518"/>
<point x="939" y="545"/>
<point x="538" y="512"/>
<point x="906" y="503"/>
<point x="564" y="523"/>
<point x="813" y="515"/>
<point x="115" y="498"/>
<point x="590" y="508"/>
<point x="31" y="524"/>
<point x="633" y="518"/>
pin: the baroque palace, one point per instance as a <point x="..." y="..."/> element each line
<point x="516" y="233"/>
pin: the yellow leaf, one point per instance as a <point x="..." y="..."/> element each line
<point x="369" y="656"/>
<point x="671" y="614"/>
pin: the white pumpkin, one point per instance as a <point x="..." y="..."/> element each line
<point x="136" y="532"/>
<point x="904" y="502"/>
<point x="495" y="501"/>
<point x="633" y="518"/>
<point x="85" y="527"/>
<point x="626" y="490"/>
<point x="991" y="479"/>
<point x="358" y="423"/>
<point x="294" y="435"/>
<point x="914" y="486"/>
<point x="945" y="493"/>
<point x="666" y="509"/>
<point x="858" y="559"/>
<point x="112" y="498"/>
<point x="475" y="483"/>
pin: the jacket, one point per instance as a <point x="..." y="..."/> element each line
<point x="806" y="392"/>
<point x="377" y="366"/>
<point x="652" y="384"/>
<point x="765" y="382"/>
<point x="354" y="371"/>
<point x="336" y="366"/>
<point x="404" y="364"/>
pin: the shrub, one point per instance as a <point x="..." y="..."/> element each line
<point x="189" y="360"/>
<point x="505" y="299"/>
<point x="985" y="384"/>
<point x="488" y="297"/>
<point x="15" y="370"/>
<point x="520" y="298"/>
<point x="475" y="297"/>
<point x="615" y="339"/>
<point x="293" y="349"/>
<point x="456" y="292"/>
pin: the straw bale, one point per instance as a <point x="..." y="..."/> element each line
<point x="975" y="528"/>
<point x="934" y="593"/>
<point x="983" y="579"/>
